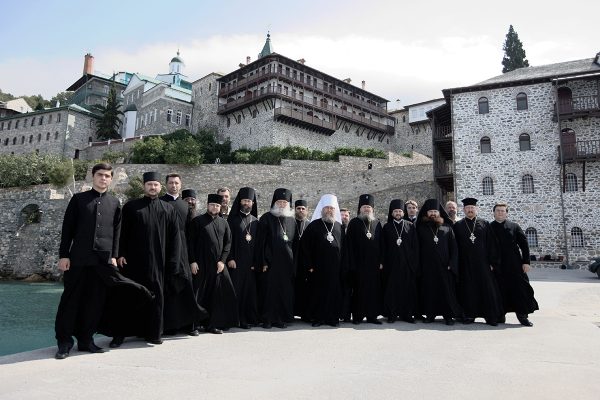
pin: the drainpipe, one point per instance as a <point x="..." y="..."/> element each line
<point x="560" y="186"/>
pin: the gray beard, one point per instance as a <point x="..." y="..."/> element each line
<point x="281" y="212"/>
<point x="328" y="219"/>
<point x="367" y="217"/>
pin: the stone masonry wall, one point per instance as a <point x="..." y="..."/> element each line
<point x="507" y="165"/>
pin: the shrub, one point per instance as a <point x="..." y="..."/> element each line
<point x="61" y="173"/>
<point x="113" y="156"/>
<point x="149" y="151"/>
<point x="183" y="151"/>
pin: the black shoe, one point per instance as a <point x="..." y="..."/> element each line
<point x="409" y="319"/>
<point x="194" y="332"/>
<point x="347" y="319"/>
<point x="524" y="320"/>
<point x="449" y="321"/>
<point x="333" y="324"/>
<point x="63" y="351"/>
<point x="316" y="324"/>
<point x="280" y="325"/>
<point x="502" y="319"/>
<point x="428" y="320"/>
<point x="468" y="321"/>
<point x="117" y="341"/>
<point x="90" y="348"/>
<point x="491" y="322"/>
<point x="244" y="326"/>
<point x="157" y="340"/>
<point x="391" y="320"/>
<point x="215" y="331"/>
<point x="373" y="321"/>
<point x="266" y="325"/>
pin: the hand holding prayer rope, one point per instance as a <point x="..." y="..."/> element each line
<point x="231" y="264"/>
<point x="113" y="262"/>
<point x="265" y="268"/>
<point x="526" y="268"/>
<point x="220" y="267"/>
<point x="194" y="267"/>
<point x="64" y="264"/>
<point x="121" y="261"/>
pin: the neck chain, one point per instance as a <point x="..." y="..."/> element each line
<point x="329" y="232"/>
<point x="399" y="240"/>
<point x="369" y="235"/>
<point x="472" y="237"/>
<point x="435" y="238"/>
<point x="300" y="228"/>
<point x="246" y="228"/>
<point x="285" y="236"/>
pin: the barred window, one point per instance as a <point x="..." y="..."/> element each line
<point x="571" y="182"/>
<point x="483" y="105"/>
<point x="488" y="186"/>
<point x="527" y="181"/>
<point x="524" y="142"/>
<point x="485" y="144"/>
<point x="532" y="237"/>
<point x="522" y="101"/>
<point x="188" y="119"/>
<point x="576" y="237"/>
<point x="169" y="115"/>
<point x="178" y="120"/>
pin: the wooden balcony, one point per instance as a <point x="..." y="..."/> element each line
<point x="305" y="103"/>
<point x="304" y="120"/>
<point x="579" y="106"/>
<point x="227" y="88"/>
<point x="585" y="150"/>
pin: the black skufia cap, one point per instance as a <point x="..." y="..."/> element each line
<point x="395" y="204"/>
<point x="301" y="203"/>
<point x="151" y="176"/>
<point x="215" y="198"/>
<point x="469" y="201"/>
<point x="281" y="194"/>
<point x="185" y="193"/>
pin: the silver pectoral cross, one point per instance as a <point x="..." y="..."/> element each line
<point x="472" y="237"/>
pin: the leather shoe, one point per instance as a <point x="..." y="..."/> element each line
<point x="157" y="340"/>
<point x="194" y="332"/>
<point x="449" y="321"/>
<point x="244" y="326"/>
<point x="524" y="320"/>
<point x="468" y="321"/>
<point x="280" y="325"/>
<point x="491" y="322"/>
<point x="502" y="319"/>
<point x="391" y="320"/>
<point x="215" y="331"/>
<point x="90" y="348"/>
<point x="63" y="351"/>
<point x="428" y="320"/>
<point x="117" y="341"/>
<point x="373" y="321"/>
<point x="410" y="320"/>
<point x="316" y="324"/>
<point x="266" y="325"/>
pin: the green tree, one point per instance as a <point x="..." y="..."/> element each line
<point x="108" y="126"/>
<point x="514" y="54"/>
<point x="213" y="150"/>
<point x="185" y="151"/>
<point x="150" y="150"/>
<point x="61" y="173"/>
<point x="63" y="98"/>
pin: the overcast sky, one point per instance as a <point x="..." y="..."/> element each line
<point x="403" y="50"/>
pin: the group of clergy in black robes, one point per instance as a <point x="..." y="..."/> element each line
<point x="178" y="271"/>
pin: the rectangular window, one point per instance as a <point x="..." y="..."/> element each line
<point x="50" y="118"/>
<point x="188" y="119"/>
<point x="178" y="121"/>
<point x="41" y="120"/>
<point x="155" y="114"/>
<point x="169" y="115"/>
<point x="58" y="118"/>
<point x="32" y="121"/>
<point x="17" y="124"/>
<point x="2" y="126"/>
<point x="9" y="125"/>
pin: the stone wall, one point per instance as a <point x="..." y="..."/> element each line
<point x="35" y="248"/>
<point x="412" y="137"/>
<point x="507" y="164"/>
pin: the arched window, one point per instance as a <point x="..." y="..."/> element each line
<point x="571" y="182"/>
<point x="56" y="135"/>
<point x="528" y="184"/>
<point x="576" y="237"/>
<point x="522" y="101"/>
<point x="30" y="138"/>
<point x="22" y="139"/>
<point x="39" y="137"/>
<point x="487" y="186"/>
<point x="15" y="140"/>
<point x="524" y="142"/>
<point x="485" y="144"/>
<point x="532" y="237"/>
<point x="484" y="106"/>
<point x="48" y="136"/>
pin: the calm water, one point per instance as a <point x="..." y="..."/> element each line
<point x="27" y="312"/>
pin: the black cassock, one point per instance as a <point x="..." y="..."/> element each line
<point x="362" y="261"/>
<point x="209" y="242"/>
<point x="478" y="291"/>
<point x="243" y="240"/>
<point x="517" y="293"/>
<point x="324" y="257"/>
<point x="438" y="283"/>
<point x="300" y="278"/>
<point x="151" y="245"/>
<point x="400" y="269"/>
<point x="181" y="309"/>
<point x="276" y="285"/>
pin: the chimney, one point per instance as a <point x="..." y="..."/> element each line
<point x="241" y="65"/>
<point x="88" y="64"/>
<point x="363" y="85"/>
<point x="302" y="61"/>
<point x="247" y="60"/>
<point x="348" y="80"/>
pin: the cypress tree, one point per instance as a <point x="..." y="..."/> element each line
<point x="514" y="54"/>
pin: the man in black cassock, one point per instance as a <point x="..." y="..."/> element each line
<point x="478" y="259"/>
<point x="209" y="245"/>
<point x="411" y="210"/>
<point x="275" y="259"/>
<point x="363" y="262"/>
<point x="300" y="278"/>
<point x="149" y="252"/>
<point x="400" y="265"/>
<point x="514" y="284"/>
<point x="438" y="256"/>
<point x="181" y="311"/>
<point x="88" y="248"/>
<point x="321" y="255"/>
<point x="243" y="223"/>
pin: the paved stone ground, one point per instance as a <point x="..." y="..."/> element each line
<point x="559" y="358"/>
